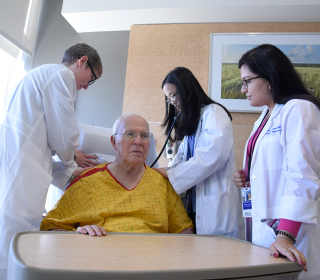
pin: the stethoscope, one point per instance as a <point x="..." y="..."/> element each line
<point x="165" y="143"/>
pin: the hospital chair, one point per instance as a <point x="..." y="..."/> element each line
<point x="95" y="140"/>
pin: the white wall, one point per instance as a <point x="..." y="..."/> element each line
<point x="102" y="103"/>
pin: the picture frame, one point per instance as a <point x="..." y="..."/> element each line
<point x="227" y="48"/>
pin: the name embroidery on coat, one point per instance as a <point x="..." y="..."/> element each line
<point x="273" y="130"/>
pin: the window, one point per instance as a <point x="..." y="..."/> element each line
<point x="11" y="72"/>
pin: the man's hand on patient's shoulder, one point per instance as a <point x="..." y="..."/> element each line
<point x="92" y="230"/>
<point x="85" y="160"/>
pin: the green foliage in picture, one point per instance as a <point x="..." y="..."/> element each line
<point x="311" y="78"/>
<point x="231" y="80"/>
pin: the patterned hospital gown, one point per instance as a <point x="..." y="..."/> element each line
<point x="97" y="198"/>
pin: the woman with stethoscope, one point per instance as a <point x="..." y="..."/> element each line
<point x="201" y="172"/>
<point x="282" y="159"/>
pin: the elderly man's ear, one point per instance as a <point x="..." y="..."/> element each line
<point x="113" y="141"/>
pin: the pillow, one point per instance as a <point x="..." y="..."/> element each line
<point x="95" y="139"/>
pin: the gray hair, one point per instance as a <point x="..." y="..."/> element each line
<point x="73" y="53"/>
<point x="120" y="119"/>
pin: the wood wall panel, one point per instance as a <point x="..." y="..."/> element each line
<point x="154" y="50"/>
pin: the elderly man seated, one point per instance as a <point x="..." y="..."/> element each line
<point x="122" y="196"/>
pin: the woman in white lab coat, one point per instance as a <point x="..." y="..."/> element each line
<point x="201" y="172"/>
<point x="38" y="120"/>
<point x="282" y="159"/>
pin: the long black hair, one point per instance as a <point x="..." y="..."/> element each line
<point x="191" y="98"/>
<point x="272" y="64"/>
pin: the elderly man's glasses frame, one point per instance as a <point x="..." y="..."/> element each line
<point x="130" y="134"/>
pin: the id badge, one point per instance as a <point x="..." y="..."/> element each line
<point x="246" y="201"/>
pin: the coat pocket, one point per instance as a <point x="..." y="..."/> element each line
<point x="27" y="189"/>
<point x="271" y="154"/>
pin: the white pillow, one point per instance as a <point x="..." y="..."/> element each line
<point x="95" y="139"/>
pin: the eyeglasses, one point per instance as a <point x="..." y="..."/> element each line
<point x="170" y="99"/>
<point x="130" y="134"/>
<point x="245" y="82"/>
<point x="94" y="75"/>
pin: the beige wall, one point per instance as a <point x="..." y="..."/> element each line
<point x="154" y="50"/>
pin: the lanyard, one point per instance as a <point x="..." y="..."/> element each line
<point x="253" y="140"/>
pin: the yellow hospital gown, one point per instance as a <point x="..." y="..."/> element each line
<point x="152" y="206"/>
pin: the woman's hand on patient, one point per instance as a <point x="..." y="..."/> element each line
<point x="284" y="246"/>
<point x="239" y="179"/>
<point x="84" y="160"/>
<point x="162" y="171"/>
<point x="92" y="230"/>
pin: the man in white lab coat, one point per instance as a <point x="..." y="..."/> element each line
<point x="38" y="120"/>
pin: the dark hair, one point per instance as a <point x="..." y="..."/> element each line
<point x="191" y="98"/>
<point x="73" y="53"/>
<point x="272" y="64"/>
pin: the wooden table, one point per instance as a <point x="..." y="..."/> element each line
<point x="65" y="255"/>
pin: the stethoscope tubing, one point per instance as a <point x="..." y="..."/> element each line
<point x="165" y="143"/>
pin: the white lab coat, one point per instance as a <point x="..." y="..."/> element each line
<point x="60" y="180"/>
<point x="285" y="180"/>
<point x="210" y="169"/>
<point x="38" y="119"/>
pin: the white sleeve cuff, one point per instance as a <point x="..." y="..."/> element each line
<point x="299" y="209"/>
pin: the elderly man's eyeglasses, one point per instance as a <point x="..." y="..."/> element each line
<point x="170" y="99"/>
<point x="130" y="134"/>
<point x="247" y="81"/>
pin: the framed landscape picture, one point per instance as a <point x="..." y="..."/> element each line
<point x="303" y="49"/>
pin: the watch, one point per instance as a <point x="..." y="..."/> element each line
<point x="72" y="177"/>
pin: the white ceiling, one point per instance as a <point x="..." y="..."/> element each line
<point x="118" y="15"/>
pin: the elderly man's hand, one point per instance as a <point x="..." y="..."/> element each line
<point x="84" y="160"/>
<point x="92" y="230"/>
